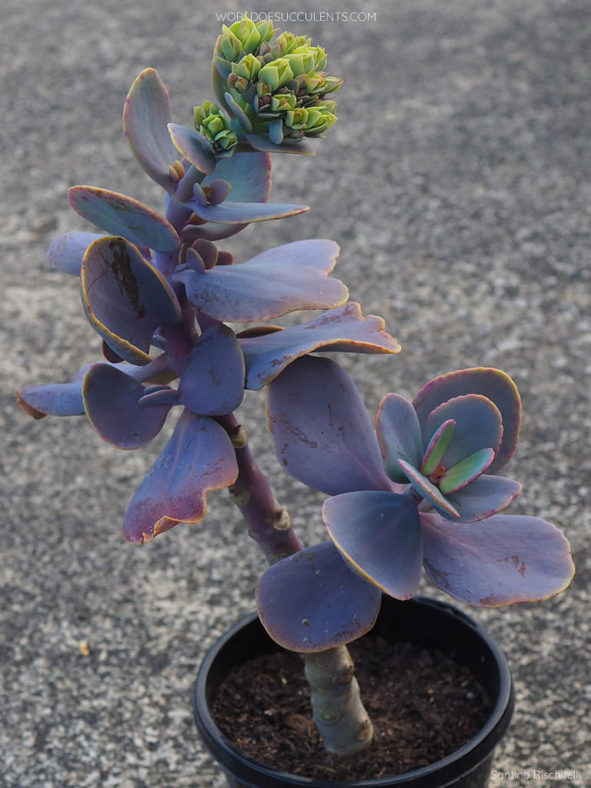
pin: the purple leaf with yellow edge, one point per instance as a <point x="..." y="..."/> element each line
<point x="121" y="215"/>
<point x="399" y="435"/>
<point x="311" y="601"/>
<point x="146" y="116"/>
<point x="244" y="212"/>
<point x="466" y="471"/>
<point x="437" y="447"/>
<point x="193" y="146"/>
<point x="212" y="383"/>
<point x="321" y="429"/>
<point x="484" y="497"/>
<point x="491" y="383"/>
<point x="111" y="400"/>
<point x="503" y="560"/>
<point x="429" y="491"/>
<point x="52" y="399"/>
<point x="125" y="297"/>
<point x="67" y="251"/>
<point x="477" y="426"/>
<point x="379" y="534"/>
<point x="269" y="285"/>
<point x="199" y="457"/>
<point x="343" y="329"/>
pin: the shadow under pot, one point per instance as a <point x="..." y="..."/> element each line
<point x="425" y="623"/>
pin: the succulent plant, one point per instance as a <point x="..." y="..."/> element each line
<point x="415" y="494"/>
<point x="165" y="300"/>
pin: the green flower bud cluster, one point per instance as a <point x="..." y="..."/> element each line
<point x="210" y="121"/>
<point x="273" y="86"/>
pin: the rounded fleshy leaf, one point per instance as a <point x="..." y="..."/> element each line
<point x="484" y="497"/>
<point x="125" y="297"/>
<point x="199" y="457"/>
<point x="213" y="381"/>
<point x="229" y="212"/>
<point x="437" y="447"/>
<point x="67" y="251"/>
<point x="193" y="146"/>
<point x="311" y="601"/>
<point x="121" y="215"/>
<point x="399" y="434"/>
<point x="491" y="383"/>
<point x="466" y="471"/>
<point x="146" y="116"/>
<point x="321" y="429"/>
<point x="52" y="399"/>
<point x="379" y="534"/>
<point x="343" y="329"/>
<point x="503" y="560"/>
<point x="264" y="287"/>
<point x="111" y="400"/>
<point x="428" y="491"/>
<point x="477" y="426"/>
<point x="249" y="174"/>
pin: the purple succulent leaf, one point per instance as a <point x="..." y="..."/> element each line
<point x="218" y="190"/>
<point x="379" y="535"/>
<point x="491" y="383"/>
<point x="311" y="601"/>
<point x="437" y="447"/>
<point x="213" y="381"/>
<point x="249" y="174"/>
<point x="244" y="212"/>
<point x="428" y="491"/>
<point x="67" y="251"/>
<point x="111" y="400"/>
<point x="484" y="497"/>
<point x="466" y="471"/>
<point x="193" y="146"/>
<point x="157" y="396"/>
<point x="121" y="215"/>
<point x="146" y="116"/>
<point x="65" y="399"/>
<point x="260" y="142"/>
<point x="319" y="253"/>
<point x="321" y="429"/>
<point x="477" y="426"/>
<point x="344" y="329"/>
<point x="399" y="435"/>
<point x="199" y="457"/>
<point x="52" y="399"/>
<point x="264" y="287"/>
<point x="503" y="560"/>
<point x="125" y="297"/>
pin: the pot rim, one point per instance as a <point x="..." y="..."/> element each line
<point x="475" y="751"/>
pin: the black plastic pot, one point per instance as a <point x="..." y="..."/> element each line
<point x="425" y="622"/>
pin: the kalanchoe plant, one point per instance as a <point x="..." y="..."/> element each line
<point x="420" y="490"/>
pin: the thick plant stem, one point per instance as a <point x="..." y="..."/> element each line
<point x="269" y="523"/>
<point x="339" y="714"/>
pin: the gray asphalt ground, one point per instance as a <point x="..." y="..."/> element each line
<point x="458" y="182"/>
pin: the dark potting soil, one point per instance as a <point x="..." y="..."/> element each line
<point x="424" y="706"/>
